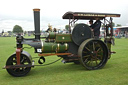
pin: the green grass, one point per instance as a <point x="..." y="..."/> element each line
<point x="115" y="71"/>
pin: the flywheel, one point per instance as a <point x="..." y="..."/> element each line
<point x="80" y="33"/>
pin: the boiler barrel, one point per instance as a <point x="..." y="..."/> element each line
<point x="54" y="47"/>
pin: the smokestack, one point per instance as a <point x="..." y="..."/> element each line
<point x="37" y="23"/>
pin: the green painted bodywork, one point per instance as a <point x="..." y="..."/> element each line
<point x="49" y="47"/>
<point x="52" y="35"/>
<point x="63" y="38"/>
<point x="60" y="38"/>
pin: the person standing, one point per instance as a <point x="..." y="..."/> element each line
<point x="49" y="28"/>
<point x="54" y="30"/>
<point x="96" y="28"/>
<point x="91" y="24"/>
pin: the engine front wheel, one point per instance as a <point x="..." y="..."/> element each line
<point x="18" y="72"/>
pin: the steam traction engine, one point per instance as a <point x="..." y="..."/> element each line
<point x="78" y="47"/>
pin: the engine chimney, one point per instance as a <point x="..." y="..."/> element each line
<point x="37" y="23"/>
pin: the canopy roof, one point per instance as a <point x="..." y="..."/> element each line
<point x="87" y="15"/>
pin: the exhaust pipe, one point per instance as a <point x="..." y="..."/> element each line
<point x="37" y="23"/>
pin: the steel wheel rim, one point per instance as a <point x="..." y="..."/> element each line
<point x="94" y="54"/>
<point x="24" y="60"/>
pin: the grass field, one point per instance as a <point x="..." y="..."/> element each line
<point x="115" y="71"/>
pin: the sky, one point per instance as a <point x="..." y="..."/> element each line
<point x="20" y="12"/>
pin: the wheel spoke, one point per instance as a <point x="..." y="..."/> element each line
<point x="98" y="49"/>
<point x="17" y="70"/>
<point x="14" y="69"/>
<point x="86" y="60"/>
<point x="84" y="51"/>
<point x="23" y="69"/>
<point x="100" y="56"/>
<point x="89" y="63"/>
<point x="88" y="49"/>
<point x="96" y="61"/>
<point x="93" y="46"/>
<point x="24" y="61"/>
<point x="86" y="56"/>
<point x="14" y="61"/>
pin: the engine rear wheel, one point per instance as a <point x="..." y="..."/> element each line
<point x="18" y="72"/>
<point x="93" y="54"/>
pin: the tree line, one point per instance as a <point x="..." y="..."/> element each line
<point x="18" y="29"/>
